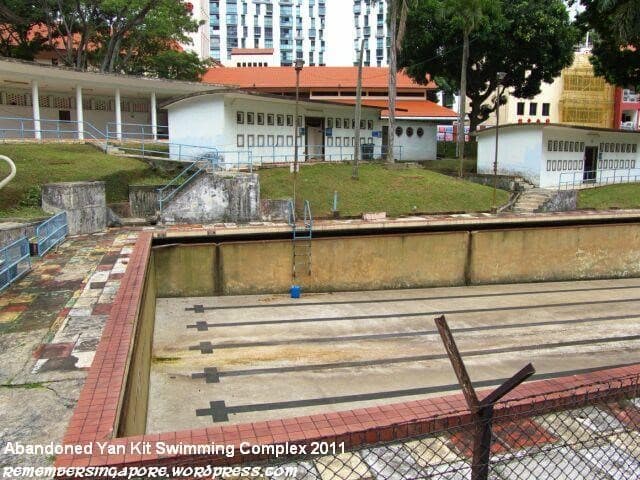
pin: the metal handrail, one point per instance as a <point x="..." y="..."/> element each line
<point x="51" y="232"/>
<point x="12" y="172"/>
<point x="145" y="131"/>
<point x="177" y="183"/>
<point x="10" y="270"/>
<point x="23" y="129"/>
<point x="594" y="178"/>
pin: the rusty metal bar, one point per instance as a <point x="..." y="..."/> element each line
<point x="458" y="365"/>
<point x="482" y="411"/>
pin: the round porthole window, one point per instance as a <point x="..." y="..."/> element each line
<point x="398" y="131"/>
<point x="409" y="131"/>
<point x="420" y="131"/>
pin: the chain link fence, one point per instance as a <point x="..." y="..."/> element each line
<point x="592" y="432"/>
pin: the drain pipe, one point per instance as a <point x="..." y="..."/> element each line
<point x="12" y="174"/>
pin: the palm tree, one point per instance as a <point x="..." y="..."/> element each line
<point x="467" y="15"/>
<point x="397" y="18"/>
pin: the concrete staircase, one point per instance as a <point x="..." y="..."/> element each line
<point x="532" y="199"/>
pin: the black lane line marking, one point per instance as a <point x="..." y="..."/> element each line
<point x="201" y="308"/>
<point x="220" y="412"/>
<point x="204" y="347"/>
<point x="349" y="338"/>
<point x="212" y="375"/>
<point x="200" y="326"/>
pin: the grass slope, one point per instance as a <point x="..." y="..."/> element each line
<point x="611" y="196"/>
<point x="397" y="192"/>
<point x="45" y="163"/>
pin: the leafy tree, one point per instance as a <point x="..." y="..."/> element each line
<point x="127" y="36"/>
<point x="530" y="40"/>
<point x="616" y="24"/>
<point x="18" y="38"/>
<point x="171" y="64"/>
<point x="466" y="16"/>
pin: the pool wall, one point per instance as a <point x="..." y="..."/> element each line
<point x="415" y="260"/>
<point x="132" y="418"/>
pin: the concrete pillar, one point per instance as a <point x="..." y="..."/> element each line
<point x="154" y="116"/>
<point x="118" y="116"/>
<point x="80" y="112"/>
<point x="35" y="101"/>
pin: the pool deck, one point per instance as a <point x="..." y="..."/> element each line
<point x="228" y="360"/>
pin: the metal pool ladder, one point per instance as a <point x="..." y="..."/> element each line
<point x="301" y="237"/>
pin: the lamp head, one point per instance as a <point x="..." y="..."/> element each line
<point x="501" y="76"/>
<point x="299" y="63"/>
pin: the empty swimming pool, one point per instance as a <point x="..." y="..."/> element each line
<point x="236" y="359"/>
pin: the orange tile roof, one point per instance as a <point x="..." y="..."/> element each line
<point x="310" y="77"/>
<point x="408" y="108"/>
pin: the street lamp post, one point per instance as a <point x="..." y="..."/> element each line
<point x="299" y="63"/>
<point x="500" y="76"/>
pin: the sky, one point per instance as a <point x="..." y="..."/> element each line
<point x="339" y="45"/>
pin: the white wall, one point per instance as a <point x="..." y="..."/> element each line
<point x="98" y="118"/>
<point x="245" y="60"/>
<point x="564" y="155"/>
<point x="552" y="157"/>
<point x="211" y="121"/>
<point x="414" y="147"/>
<point x="519" y="153"/>
<point x="278" y="140"/>
<point x="198" y="122"/>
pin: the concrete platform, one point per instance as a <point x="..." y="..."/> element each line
<point x="226" y="360"/>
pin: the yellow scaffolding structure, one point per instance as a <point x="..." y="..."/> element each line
<point x="586" y="100"/>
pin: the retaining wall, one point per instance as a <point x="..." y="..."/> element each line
<point x="84" y="202"/>
<point x="403" y="261"/>
<point x="216" y="198"/>
<point x="143" y="200"/>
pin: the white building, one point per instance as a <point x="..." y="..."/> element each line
<point x="370" y="24"/>
<point x="560" y="156"/>
<point x="47" y="102"/>
<point x="315" y="30"/>
<point x="294" y="29"/>
<point x="260" y="127"/>
<point x="199" y="40"/>
<point x="253" y="57"/>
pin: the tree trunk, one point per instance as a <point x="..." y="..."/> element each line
<point x="393" y="66"/>
<point x="463" y="100"/>
<point x="356" y="152"/>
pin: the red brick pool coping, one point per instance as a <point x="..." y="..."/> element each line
<point x="96" y="414"/>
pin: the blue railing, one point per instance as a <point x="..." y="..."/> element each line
<point x="51" y="232"/>
<point x="24" y="128"/>
<point x="14" y="262"/>
<point x="309" y="153"/>
<point x="137" y="132"/>
<point x="305" y="231"/>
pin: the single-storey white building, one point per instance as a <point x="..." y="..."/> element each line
<point x="247" y="126"/>
<point x="48" y="102"/>
<point x="560" y="156"/>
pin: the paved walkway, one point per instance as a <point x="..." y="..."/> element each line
<point x="50" y="324"/>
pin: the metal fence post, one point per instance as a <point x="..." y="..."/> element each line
<point x="482" y="411"/>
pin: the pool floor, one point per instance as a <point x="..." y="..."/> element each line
<point x="227" y="360"/>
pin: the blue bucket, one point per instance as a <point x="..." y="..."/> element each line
<point x="295" y="291"/>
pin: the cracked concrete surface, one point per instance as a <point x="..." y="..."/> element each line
<point x="50" y="325"/>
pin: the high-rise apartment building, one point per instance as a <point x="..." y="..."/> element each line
<point x="370" y="24"/>
<point x="199" y="10"/>
<point x="292" y="28"/>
